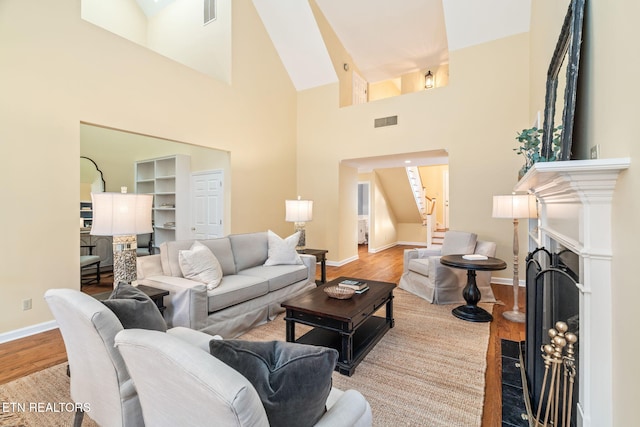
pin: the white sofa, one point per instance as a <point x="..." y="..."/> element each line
<point x="249" y="294"/>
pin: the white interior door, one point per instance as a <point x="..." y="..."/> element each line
<point x="359" y="89"/>
<point x="207" y="189"/>
<point x="445" y="191"/>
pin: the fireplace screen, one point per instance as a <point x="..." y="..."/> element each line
<point x="552" y="296"/>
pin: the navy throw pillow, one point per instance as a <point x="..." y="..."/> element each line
<point x="292" y="380"/>
<point x="135" y="309"/>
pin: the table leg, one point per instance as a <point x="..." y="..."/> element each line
<point x="323" y="270"/>
<point x="471" y="294"/>
<point x="290" y="329"/>
<point x="390" y="312"/>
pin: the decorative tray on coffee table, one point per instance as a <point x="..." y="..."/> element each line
<point x="339" y="292"/>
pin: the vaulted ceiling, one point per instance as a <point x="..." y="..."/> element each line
<point x="385" y="39"/>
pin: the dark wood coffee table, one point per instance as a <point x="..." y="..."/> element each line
<point x="348" y="326"/>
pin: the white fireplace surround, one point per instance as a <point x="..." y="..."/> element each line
<point x="575" y="210"/>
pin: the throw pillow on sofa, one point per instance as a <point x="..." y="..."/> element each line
<point x="292" y="380"/>
<point x="282" y="251"/>
<point x="200" y="264"/>
<point x="135" y="309"/>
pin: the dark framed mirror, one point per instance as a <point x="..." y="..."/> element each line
<point x="562" y="78"/>
<point x="91" y="178"/>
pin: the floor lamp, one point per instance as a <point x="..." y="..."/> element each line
<point x="515" y="206"/>
<point x="122" y="216"/>
<point x="299" y="212"/>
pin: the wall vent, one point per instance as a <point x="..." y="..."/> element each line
<point x="209" y="11"/>
<point x="385" y="121"/>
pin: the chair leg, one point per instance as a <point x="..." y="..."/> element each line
<point x="98" y="272"/>
<point x="77" y="419"/>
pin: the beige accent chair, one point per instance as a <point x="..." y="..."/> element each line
<point x="196" y="389"/>
<point x="424" y="276"/>
<point x="99" y="376"/>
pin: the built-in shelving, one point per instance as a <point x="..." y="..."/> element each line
<point x="167" y="179"/>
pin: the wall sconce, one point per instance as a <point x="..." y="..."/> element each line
<point x="299" y="212"/>
<point x="122" y="216"/>
<point x="428" y="80"/>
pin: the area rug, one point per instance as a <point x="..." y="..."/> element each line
<point x="426" y="371"/>
<point x="39" y="400"/>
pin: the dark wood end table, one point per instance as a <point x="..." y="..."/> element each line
<point x="156" y="295"/>
<point x="471" y="293"/>
<point x="348" y="326"/>
<point x="321" y="257"/>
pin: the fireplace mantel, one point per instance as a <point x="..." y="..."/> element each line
<point x="575" y="200"/>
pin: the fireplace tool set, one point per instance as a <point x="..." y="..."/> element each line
<point x="559" y="378"/>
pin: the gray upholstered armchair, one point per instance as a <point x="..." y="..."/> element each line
<point x="425" y="277"/>
<point x="98" y="372"/>
<point x="197" y="389"/>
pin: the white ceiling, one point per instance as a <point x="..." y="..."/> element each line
<point x="385" y="39"/>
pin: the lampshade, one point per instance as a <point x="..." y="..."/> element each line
<point x="298" y="210"/>
<point x="121" y="214"/>
<point x="515" y="206"/>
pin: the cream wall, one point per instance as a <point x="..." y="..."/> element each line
<point x="382" y="223"/>
<point x="178" y="33"/>
<point x="123" y="17"/>
<point x="474" y="118"/>
<point x="58" y="70"/>
<point x="607" y="99"/>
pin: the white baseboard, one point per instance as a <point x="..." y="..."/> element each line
<point x="412" y="243"/>
<point x="506" y="281"/>
<point x="342" y="262"/>
<point x="27" y="331"/>
<point x="382" y="248"/>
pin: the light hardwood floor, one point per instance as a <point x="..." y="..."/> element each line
<point x="24" y="356"/>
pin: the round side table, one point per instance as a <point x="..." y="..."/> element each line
<point x="471" y="294"/>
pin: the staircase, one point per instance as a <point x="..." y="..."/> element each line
<point x="437" y="237"/>
<point x="424" y="204"/>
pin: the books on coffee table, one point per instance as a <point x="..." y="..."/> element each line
<point x="356" y="285"/>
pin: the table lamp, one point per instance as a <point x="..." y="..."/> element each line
<point x="299" y="212"/>
<point x="122" y="216"/>
<point x="515" y="206"/>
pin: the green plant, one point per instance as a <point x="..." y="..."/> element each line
<point x="530" y="144"/>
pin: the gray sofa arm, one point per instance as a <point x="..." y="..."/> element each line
<point x="310" y="262"/>
<point x="186" y="303"/>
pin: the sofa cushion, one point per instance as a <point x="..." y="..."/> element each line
<point x="278" y="276"/>
<point x="199" y="263"/>
<point x="221" y="248"/>
<point x="235" y="289"/>
<point x="249" y="250"/>
<point x="135" y="309"/>
<point x="420" y="266"/>
<point x="458" y="243"/>
<point x="282" y="251"/>
<point x="292" y="380"/>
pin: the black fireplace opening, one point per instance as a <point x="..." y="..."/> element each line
<point x="552" y="296"/>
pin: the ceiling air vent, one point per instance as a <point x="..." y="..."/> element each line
<point x="385" y="121"/>
<point x="209" y="11"/>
